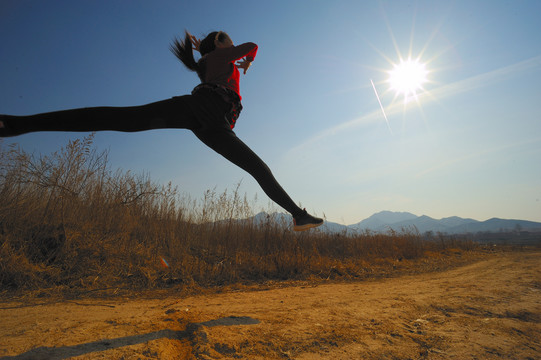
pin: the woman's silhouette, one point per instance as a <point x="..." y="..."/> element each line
<point x="210" y="112"/>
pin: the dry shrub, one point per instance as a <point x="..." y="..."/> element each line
<point x="68" y="220"/>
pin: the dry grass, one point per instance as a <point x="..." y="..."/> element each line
<point x="68" y="221"/>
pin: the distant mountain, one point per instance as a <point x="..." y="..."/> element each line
<point x="495" y="225"/>
<point x="385" y="220"/>
<point x="455" y="221"/>
<point x="381" y="220"/>
<point x="332" y="227"/>
<point x="422" y="224"/>
<point x="399" y="221"/>
<point x="263" y="217"/>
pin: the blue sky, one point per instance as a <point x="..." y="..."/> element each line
<point x="468" y="145"/>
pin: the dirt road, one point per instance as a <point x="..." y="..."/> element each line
<point x="487" y="310"/>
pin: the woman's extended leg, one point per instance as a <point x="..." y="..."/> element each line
<point x="226" y="143"/>
<point x="172" y="113"/>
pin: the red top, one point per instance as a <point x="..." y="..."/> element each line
<point x="220" y="67"/>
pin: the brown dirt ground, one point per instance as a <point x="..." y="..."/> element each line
<point x="490" y="309"/>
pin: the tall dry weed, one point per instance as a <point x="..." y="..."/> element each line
<point x="67" y="219"/>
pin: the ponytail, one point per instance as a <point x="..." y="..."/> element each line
<point x="184" y="52"/>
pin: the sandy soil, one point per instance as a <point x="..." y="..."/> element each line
<point x="490" y="309"/>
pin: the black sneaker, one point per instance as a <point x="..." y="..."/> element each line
<point x="305" y="221"/>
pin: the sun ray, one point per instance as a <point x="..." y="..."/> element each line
<point x="429" y="41"/>
<point x="391" y="34"/>
<point x="387" y="58"/>
<point x="410" y="50"/>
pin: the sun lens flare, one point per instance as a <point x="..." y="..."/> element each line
<point x="407" y="77"/>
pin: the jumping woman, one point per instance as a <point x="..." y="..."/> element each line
<point x="210" y="112"/>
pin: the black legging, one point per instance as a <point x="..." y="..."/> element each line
<point x="203" y="113"/>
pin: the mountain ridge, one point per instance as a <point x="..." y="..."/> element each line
<point x="385" y="221"/>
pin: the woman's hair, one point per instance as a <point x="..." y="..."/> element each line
<point x="184" y="52"/>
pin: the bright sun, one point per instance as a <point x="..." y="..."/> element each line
<point x="407" y="77"/>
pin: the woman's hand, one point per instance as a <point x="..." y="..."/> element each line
<point x="195" y="42"/>
<point x="243" y="64"/>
